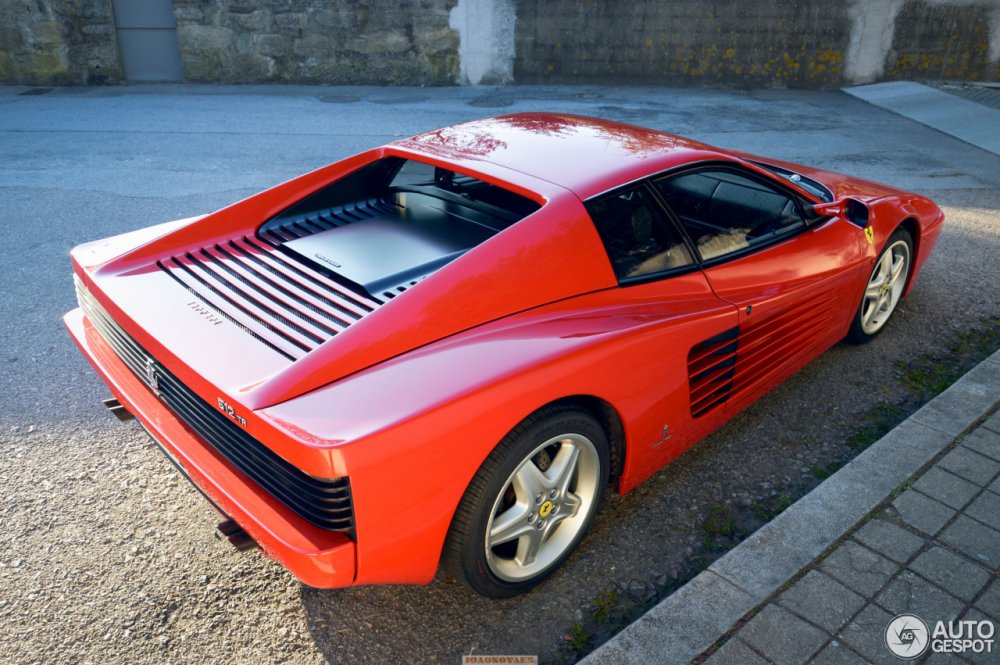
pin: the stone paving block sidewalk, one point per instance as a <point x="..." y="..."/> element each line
<point x="931" y="550"/>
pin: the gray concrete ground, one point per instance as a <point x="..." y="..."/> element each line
<point x="910" y="526"/>
<point x="933" y="552"/>
<point x="105" y="553"/>
<point x="972" y="121"/>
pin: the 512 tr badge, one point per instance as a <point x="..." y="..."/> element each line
<point x="231" y="412"/>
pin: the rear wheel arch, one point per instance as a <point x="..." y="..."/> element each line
<point x="610" y="420"/>
<point x="605" y="424"/>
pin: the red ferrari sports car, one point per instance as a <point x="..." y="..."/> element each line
<point x="444" y="351"/>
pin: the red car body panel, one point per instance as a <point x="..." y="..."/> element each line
<point x="409" y="400"/>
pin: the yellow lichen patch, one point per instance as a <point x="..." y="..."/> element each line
<point x="830" y="56"/>
<point x="730" y="52"/>
<point x="46" y="66"/>
<point x="649" y="42"/>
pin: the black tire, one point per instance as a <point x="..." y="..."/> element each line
<point x="862" y="330"/>
<point x="465" y="555"/>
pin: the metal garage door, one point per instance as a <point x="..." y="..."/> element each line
<point x="147" y="39"/>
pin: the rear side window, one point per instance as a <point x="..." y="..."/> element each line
<point x="638" y="240"/>
<point x="725" y="212"/>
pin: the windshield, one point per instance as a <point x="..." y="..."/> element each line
<point x="808" y="184"/>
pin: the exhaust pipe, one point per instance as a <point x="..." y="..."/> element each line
<point x="236" y="536"/>
<point x="116" y="408"/>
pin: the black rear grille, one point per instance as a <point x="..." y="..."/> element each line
<point x="325" y="503"/>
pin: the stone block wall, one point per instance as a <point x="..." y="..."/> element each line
<point x="404" y="42"/>
<point x="731" y="43"/>
<point x="58" y="42"/>
<point x="945" y="41"/>
<point x="753" y="43"/>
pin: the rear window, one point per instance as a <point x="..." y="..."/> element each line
<point x="429" y="179"/>
<point x="384" y="227"/>
<point x="398" y="182"/>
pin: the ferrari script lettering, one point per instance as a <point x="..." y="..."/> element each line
<point x="205" y="313"/>
<point x="326" y="260"/>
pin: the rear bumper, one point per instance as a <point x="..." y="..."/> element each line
<point x="318" y="557"/>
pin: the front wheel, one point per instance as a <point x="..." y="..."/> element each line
<point x="530" y="503"/>
<point x="885" y="288"/>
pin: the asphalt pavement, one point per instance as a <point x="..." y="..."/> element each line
<point x="106" y="553"/>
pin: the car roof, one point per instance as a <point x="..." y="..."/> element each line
<point x="585" y="155"/>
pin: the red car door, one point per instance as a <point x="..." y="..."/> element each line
<point x="795" y="284"/>
<point x="686" y="326"/>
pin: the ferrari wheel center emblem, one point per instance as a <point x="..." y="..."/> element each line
<point x="545" y="509"/>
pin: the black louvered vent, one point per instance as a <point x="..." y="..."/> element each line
<point x="282" y="229"/>
<point x="282" y="302"/>
<point x="770" y="343"/>
<point x="711" y="368"/>
<point x="325" y="503"/>
<point x="389" y="295"/>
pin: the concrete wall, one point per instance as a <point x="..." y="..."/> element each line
<point x="62" y="42"/>
<point x="741" y="43"/>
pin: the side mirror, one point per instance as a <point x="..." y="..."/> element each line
<point x="852" y="210"/>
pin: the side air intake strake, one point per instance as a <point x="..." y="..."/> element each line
<point x="278" y="299"/>
<point x="711" y="367"/>
<point x="768" y="343"/>
<point x="325" y="503"/>
<point x="736" y="362"/>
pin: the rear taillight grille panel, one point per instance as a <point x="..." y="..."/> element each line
<point x="280" y="301"/>
<point x="325" y="503"/>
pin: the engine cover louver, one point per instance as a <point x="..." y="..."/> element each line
<point x="282" y="229"/>
<point x="282" y="302"/>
